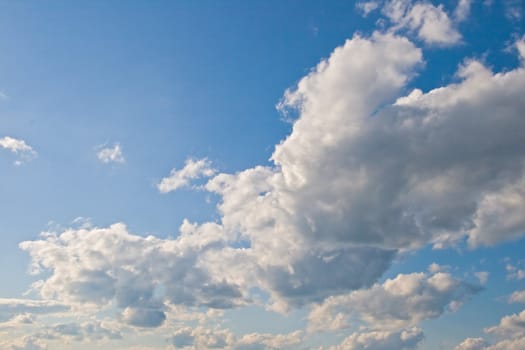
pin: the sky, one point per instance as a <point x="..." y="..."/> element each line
<point x="262" y="175"/>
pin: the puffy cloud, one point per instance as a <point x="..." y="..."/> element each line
<point x="509" y="344"/>
<point x="431" y="23"/>
<point x="382" y="340"/>
<point x="267" y="341"/>
<point x="13" y="307"/>
<point x="91" y="330"/>
<point x="517" y="297"/>
<point x="510" y="330"/>
<point x="111" y="154"/>
<point x="472" y="344"/>
<point x="510" y="325"/>
<point x="508" y="203"/>
<point x="193" y="169"/>
<point x="400" y="302"/>
<point x="24" y="343"/>
<point x="19" y="147"/>
<point x="205" y="338"/>
<point x="202" y="338"/>
<point x="303" y="216"/>
<point x="110" y="266"/>
<point x="434" y="268"/>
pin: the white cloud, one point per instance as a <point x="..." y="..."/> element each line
<point x="11" y="307"/>
<point x="111" y="154"/>
<point x="202" y="338"/>
<point x="267" y="341"/>
<point x="510" y="330"/>
<point x="462" y="10"/>
<point x="206" y="338"/>
<point x="517" y="297"/>
<point x="509" y="344"/>
<point x="99" y="267"/>
<point x="367" y="6"/>
<point x="514" y="272"/>
<point x="434" y="268"/>
<point x="431" y="23"/>
<point x="193" y="169"/>
<point x="482" y="276"/>
<point x="513" y="325"/>
<point x="520" y="46"/>
<point x="24" y="343"/>
<point x="472" y="344"/>
<point x="400" y="302"/>
<point x="79" y="331"/>
<point x="406" y="339"/>
<point x="19" y="147"/>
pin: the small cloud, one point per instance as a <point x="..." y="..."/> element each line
<point x="482" y="276"/>
<point x="18" y="147"/>
<point x="193" y="169"/>
<point x="82" y="222"/>
<point x="520" y="46"/>
<point x="430" y="23"/>
<point x="462" y="10"/>
<point x="366" y="7"/>
<point x="513" y="9"/>
<point x="517" y="297"/>
<point x="111" y="154"/>
<point x="472" y="344"/>
<point x="435" y="268"/>
<point x="3" y="95"/>
<point x="514" y="272"/>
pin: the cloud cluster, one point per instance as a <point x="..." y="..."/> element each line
<point x="24" y="343"/>
<point x="510" y="330"/>
<point x="431" y="23"/>
<point x="206" y="338"/>
<point x="472" y="344"/>
<point x="382" y="340"/>
<point x="104" y="267"/>
<point x="397" y="303"/>
<point x="364" y="174"/>
<point x="10" y="308"/>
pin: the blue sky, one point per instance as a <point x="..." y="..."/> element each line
<point x="262" y="175"/>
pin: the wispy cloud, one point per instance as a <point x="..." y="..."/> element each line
<point x="112" y="154"/>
